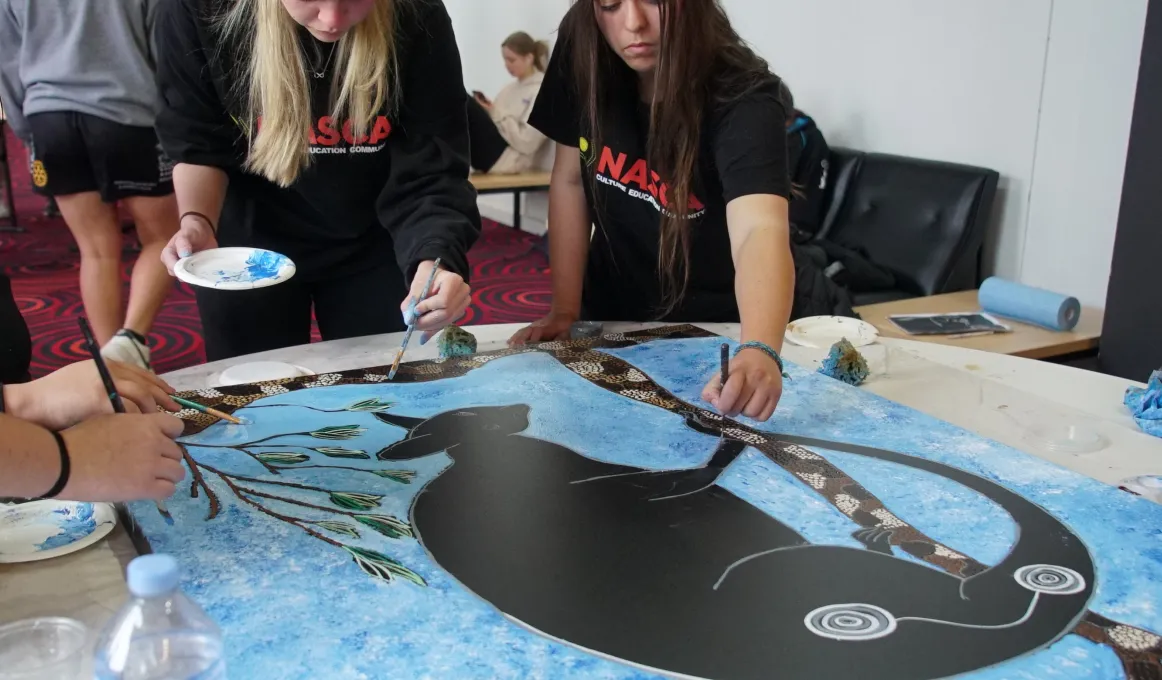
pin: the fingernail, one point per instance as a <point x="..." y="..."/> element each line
<point x="184" y="254"/>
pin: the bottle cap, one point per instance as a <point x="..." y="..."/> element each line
<point x="153" y="575"/>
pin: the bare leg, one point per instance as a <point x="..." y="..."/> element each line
<point x="98" y="234"/>
<point x="157" y="221"/>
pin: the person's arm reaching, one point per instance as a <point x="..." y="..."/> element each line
<point x="751" y="155"/>
<point x="200" y="191"/>
<point x="11" y="87"/>
<point x="568" y="249"/>
<point x="111" y="458"/>
<point x="428" y="205"/>
<point x="193" y="125"/>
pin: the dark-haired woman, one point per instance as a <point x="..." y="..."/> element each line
<point x="672" y="145"/>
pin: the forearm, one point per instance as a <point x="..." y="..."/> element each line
<point x="764" y="285"/>
<point x="20" y="403"/>
<point x="201" y="189"/>
<point x="568" y="245"/>
<point x="29" y="463"/>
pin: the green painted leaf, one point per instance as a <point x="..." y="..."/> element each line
<point x="381" y="566"/>
<point x="355" y="501"/>
<point x="371" y="406"/>
<point x="338" y="527"/>
<point x="387" y="525"/>
<point x="401" y="476"/>
<point x="338" y="432"/>
<point x="340" y="452"/>
<point x="283" y="458"/>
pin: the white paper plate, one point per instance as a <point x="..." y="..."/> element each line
<point x="42" y="530"/>
<point x="234" y="268"/>
<point x="260" y="371"/>
<point x="825" y="331"/>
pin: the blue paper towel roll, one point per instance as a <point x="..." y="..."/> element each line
<point x="1029" y="304"/>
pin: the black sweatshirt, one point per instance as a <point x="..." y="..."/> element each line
<point x="408" y="174"/>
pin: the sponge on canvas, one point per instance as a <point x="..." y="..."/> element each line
<point x="845" y="363"/>
<point x="456" y="342"/>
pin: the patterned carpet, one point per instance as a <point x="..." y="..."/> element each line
<point x="509" y="284"/>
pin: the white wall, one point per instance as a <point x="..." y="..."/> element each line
<point x="1040" y="90"/>
<point x="1081" y="147"/>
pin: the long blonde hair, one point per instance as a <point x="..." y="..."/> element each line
<point x="276" y="94"/>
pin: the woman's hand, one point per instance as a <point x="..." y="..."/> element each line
<point x="753" y="388"/>
<point x="555" y="326"/>
<point x="76" y="393"/>
<point x="446" y="301"/>
<point x="124" y="458"/>
<point x="194" y="235"/>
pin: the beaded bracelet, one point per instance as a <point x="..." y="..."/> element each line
<point x="765" y="349"/>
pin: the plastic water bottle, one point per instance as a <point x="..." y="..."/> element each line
<point x="160" y="634"/>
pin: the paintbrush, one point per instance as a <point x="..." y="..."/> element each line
<point x="207" y="410"/>
<point x="412" y="315"/>
<point x="111" y="389"/>
<point x="723" y="376"/>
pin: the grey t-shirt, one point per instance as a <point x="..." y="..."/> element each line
<point x="88" y="56"/>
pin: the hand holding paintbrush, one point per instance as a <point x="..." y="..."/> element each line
<point x="413" y="312"/>
<point x="111" y="388"/>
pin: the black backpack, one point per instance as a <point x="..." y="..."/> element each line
<point x="807" y="156"/>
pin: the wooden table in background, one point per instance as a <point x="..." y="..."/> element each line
<point x="516" y="185"/>
<point x="1030" y="342"/>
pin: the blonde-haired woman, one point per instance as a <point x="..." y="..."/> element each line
<point x="503" y="142"/>
<point x="334" y="132"/>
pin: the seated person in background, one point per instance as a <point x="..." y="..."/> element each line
<point x="807" y="160"/>
<point x="503" y="142"/>
<point x="110" y="457"/>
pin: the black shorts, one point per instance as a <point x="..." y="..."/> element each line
<point x="74" y="152"/>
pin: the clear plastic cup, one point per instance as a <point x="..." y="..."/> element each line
<point x="42" y="649"/>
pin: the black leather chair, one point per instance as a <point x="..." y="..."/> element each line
<point x="924" y="220"/>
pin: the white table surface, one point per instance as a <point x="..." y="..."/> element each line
<point x="972" y="389"/>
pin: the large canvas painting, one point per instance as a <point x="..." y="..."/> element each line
<point x="573" y="510"/>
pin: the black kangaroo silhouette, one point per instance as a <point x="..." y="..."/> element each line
<point x="667" y="571"/>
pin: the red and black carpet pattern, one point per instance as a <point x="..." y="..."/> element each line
<point x="510" y="284"/>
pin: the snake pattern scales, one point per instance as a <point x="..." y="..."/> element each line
<point x="1140" y="651"/>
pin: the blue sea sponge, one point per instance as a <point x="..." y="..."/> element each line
<point x="1146" y="404"/>
<point x="845" y="363"/>
<point x="456" y="342"/>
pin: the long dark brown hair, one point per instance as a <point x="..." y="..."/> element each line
<point x="702" y="64"/>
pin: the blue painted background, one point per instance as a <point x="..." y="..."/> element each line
<point x="292" y="606"/>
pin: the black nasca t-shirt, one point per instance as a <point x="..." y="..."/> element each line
<point x="400" y="189"/>
<point x="743" y="151"/>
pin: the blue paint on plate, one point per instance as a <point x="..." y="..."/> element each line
<point x="262" y="265"/>
<point x="75" y="522"/>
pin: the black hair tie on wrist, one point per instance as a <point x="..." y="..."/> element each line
<point x="195" y="213"/>
<point x="66" y="467"/>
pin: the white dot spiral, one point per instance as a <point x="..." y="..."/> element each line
<point x="1050" y="579"/>
<point x="850" y="622"/>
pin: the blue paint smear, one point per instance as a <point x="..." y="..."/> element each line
<point x="254" y="573"/>
<point x="260" y="266"/>
<point x="75" y="522"/>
